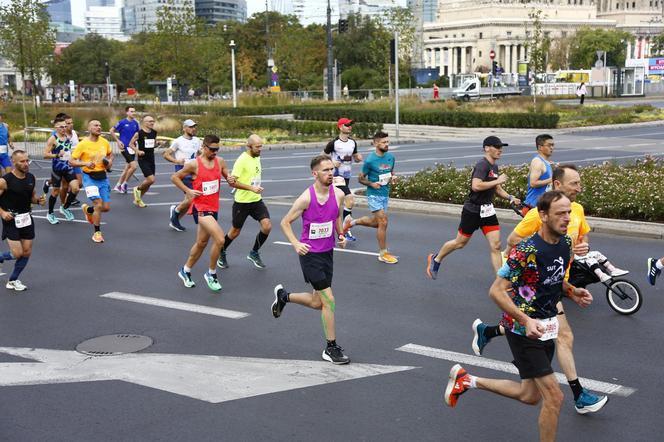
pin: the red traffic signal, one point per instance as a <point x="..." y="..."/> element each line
<point x="492" y="54"/>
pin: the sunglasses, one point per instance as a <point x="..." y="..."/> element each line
<point x="212" y="149"/>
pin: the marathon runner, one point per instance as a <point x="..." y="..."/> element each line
<point x="17" y="193"/>
<point x="535" y="275"/>
<point x="5" y="144"/>
<point x="146" y="141"/>
<point x="206" y="171"/>
<point x="58" y="150"/>
<point x="478" y="211"/>
<point x="343" y="151"/>
<point x="127" y="128"/>
<point x="539" y="172"/>
<point x="319" y="208"/>
<point x="248" y="201"/>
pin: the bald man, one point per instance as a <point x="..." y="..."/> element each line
<point x="248" y="201"/>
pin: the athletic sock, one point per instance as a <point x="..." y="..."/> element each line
<point x="90" y="210"/>
<point x="576" y="387"/>
<point x="472" y="381"/>
<point x="51" y="203"/>
<point x="659" y="264"/>
<point x="97" y="228"/>
<point x="492" y="331"/>
<point x="346" y="212"/>
<point x="18" y="267"/>
<point x="212" y="271"/>
<point x="227" y="242"/>
<point x="186" y="269"/>
<point x="331" y="343"/>
<point x="260" y="240"/>
<point x="70" y="199"/>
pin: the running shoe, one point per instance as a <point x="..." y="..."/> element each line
<point x="222" y="263"/>
<point x="589" y="403"/>
<point x="653" y="271"/>
<point x="117" y="188"/>
<point x="123" y="188"/>
<point x="137" y="198"/>
<point x="387" y="258"/>
<point x="279" y="300"/>
<point x="98" y="237"/>
<point x="175" y="221"/>
<point x="348" y="221"/>
<point x="458" y="384"/>
<point x="212" y="281"/>
<point x="46" y="186"/>
<point x="255" y="257"/>
<point x="52" y="219"/>
<point x="432" y="266"/>
<point x="349" y="236"/>
<point x="88" y="216"/>
<point x="16" y="285"/>
<point x="67" y="214"/>
<point x="479" y="340"/>
<point x="186" y="278"/>
<point x="335" y="354"/>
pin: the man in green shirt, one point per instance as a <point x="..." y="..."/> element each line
<point x="248" y="201"/>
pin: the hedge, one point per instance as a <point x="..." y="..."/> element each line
<point x="622" y="191"/>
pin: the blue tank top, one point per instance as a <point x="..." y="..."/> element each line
<point x="533" y="194"/>
<point x="61" y="164"/>
<point x="4" y="135"/>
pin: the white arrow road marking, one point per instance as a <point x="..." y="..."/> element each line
<point x="602" y="387"/>
<point x="158" y="302"/>
<point x="207" y="378"/>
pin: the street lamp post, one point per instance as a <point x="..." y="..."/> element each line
<point x="232" y="45"/>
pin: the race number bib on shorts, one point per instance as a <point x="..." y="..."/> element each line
<point x="22" y="220"/>
<point x="338" y="181"/>
<point x="4" y="148"/>
<point x="487" y="210"/>
<point x="149" y="143"/>
<point x="320" y="230"/>
<point x="66" y="155"/>
<point x="256" y="181"/>
<point x="385" y="178"/>
<point x="92" y="191"/>
<point x="344" y="169"/>
<point x="550" y="328"/>
<point x="210" y="187"/>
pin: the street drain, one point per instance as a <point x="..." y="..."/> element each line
<point x="111" y="345"/>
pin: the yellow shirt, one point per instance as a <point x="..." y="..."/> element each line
<point x="247" y="169"/>
<point x="577" y="227"/>
<point x="96" y="151"/>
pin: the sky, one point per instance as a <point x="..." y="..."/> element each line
<point x="259" y="5"/>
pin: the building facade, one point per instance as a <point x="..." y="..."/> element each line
<point x="214" y="11"/>
<point x="105" y="21"/>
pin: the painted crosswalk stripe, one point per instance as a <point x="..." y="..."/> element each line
<point x="358" y="252"/>
<point x="464" y="359"/>
<point x="158" y="302"/>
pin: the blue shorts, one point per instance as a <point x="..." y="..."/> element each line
<point x="377" y="203"/>
<point x="5" y="161"/>
<point x="96" y="189"/>
<point x="78" y="171"/>
<point x="188" y="181"/>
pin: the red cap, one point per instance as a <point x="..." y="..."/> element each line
<point x="343" y="121"/>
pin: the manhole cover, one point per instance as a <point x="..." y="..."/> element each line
<point x="111" y="345"/>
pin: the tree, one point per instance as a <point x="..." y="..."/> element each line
<point x="584" y="47"/>
<point x="84" y="61"/>
<point x="657" y="48"/>
<point x="559" y="53"/>
<point x="537" y="44"/>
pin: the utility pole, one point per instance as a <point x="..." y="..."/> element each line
<point x="330" y="55"/>
<point x="396" y="81"/>
<point x="267" y="45"/>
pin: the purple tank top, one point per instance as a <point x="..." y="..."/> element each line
<point x="318" y="222"/>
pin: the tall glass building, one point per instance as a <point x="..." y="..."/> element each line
<point x="214" y="11"/>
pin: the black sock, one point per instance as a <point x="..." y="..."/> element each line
<point x="576" y="387"/>
<point x="227" y="242"/>
<point x="91" y="210"/>
<point x="18" y="267"/>
<point x="284" y="295"/>
<point x="331" y="343"/>
<point x="260" y="240"/>
<point x="51" y="203"/>
<point x="97" y="228"/>
<point x="346" y="213"/>
<point x="492" y="331"/>
<point x="70" y="199"/>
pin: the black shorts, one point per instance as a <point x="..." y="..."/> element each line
<point x="56" y="178"/>
<point x="147" y="166"/>
<point x="10" y="231"/>
<point x="317" y="269"/>
<point x="127" y="156"/>
<point x="195" y="213"/>
<point x="531" y="357"/>
<point x="257" y="210"/>
<point x="346" y="188"/>
<point x="471" y="221"/>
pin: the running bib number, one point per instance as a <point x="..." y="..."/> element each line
<point x="338" y="181"/>
<point x="130" y="151"/>
<point x="550" y="328"/>
<point x="4" y="148"/>
<point x="385" y="178"/>
<point x="22" y="220"/>
<point x="487" y="210"/>
<point x="149" y="143"/>
<point x="320" y="230"/>
<point x="92" y="191"/>
<point x="210" y="187"/>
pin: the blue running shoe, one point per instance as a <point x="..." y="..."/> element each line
<point x="479" y="340"/>
<point x="175" y="220"/>
<point x="349" y="236"/>
<point x="653" y="271"/>
<point x="589" y="403"/>
<point x="432" y="266"/>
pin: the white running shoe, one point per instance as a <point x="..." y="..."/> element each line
<point x="16" y="285"/>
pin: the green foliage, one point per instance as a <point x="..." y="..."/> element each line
<point x="609" y="190"/>
<point x="536" y="43"/>
<point x="657" y="48"/>
<point x="587" y="41"/>
<point x="83" y="61"/>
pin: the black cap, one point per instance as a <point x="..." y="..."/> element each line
<point x="493" y="141"/>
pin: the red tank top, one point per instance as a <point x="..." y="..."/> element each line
<point x="208" y="182"/>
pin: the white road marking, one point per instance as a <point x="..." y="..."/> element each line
<point x="357" y="252"/>
<point x="641" y="144"/>
<point x="599" y="386"/>
<point x="62" y="219"/>
<point x="207" y="378"/>
<point x="158" y="302"/>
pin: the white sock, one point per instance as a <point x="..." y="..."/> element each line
<point x="212" y="271"/>
<point x="659" y="264"/>
<point x="473" y="381"/>
<point x="382" y="251"/>
<point x="352" y="222"/>
<point x="186" y="269"/>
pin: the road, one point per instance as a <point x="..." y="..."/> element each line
<point x="236" y="373"/>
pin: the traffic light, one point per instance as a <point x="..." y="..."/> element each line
<point x="494" y="67"/>
<point x="343" y="25"/>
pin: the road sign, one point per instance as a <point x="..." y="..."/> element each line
<point x="492" y="54"/>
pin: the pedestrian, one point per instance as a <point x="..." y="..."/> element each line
<point x="126" y="127"/>
<point x="478" y="211"/>
<point x="5" y="144"/>
<point x="248" y="201"/>
<point x="343" y="151"/>
<point x="94" y="155"/>
<point x="527" y="289"/>
<point x="144" y="143"/>
<point x="581" y="92"/>
<point x="17" y="193"/>
<point x="436" y="92"/>
<point x="377" y="174"/>
<point x="319" y="207"/>
<point x="182" y="149"/>
<point x="206" y="172"/>
<point x="539" y="172"/>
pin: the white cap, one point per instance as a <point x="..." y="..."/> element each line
<point x="189" y="123"/>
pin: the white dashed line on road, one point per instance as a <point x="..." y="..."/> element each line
<point x="184" y="306"/>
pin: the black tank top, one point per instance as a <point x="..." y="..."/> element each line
<point x="151" y="141"/>
<point x="18" y="196"/>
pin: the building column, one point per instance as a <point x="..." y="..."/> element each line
<point x="463" y="60"/>
<point x="445" y="60"/>
<point x="451" y="53"/>
<point x="471" y="57"/>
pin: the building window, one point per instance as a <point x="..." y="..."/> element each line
<point x="480" y="35"/>
<point x="480" y="54"/>
<point x="633" y="5"/>
<point x="509" y="33"/>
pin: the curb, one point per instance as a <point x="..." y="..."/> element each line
<point x="637" y="229"/>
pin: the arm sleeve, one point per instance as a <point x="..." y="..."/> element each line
<point x="529" y="224"/>
<point x="355" y="148"/>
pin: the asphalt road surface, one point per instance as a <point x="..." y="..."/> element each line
<point x="224" y="369"/>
